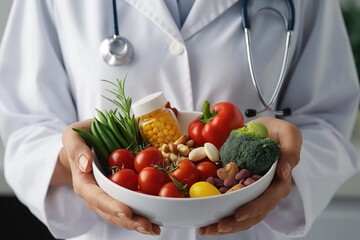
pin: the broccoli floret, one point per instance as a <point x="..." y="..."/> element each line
<point x="251" y="151"/>
<point x="254" y="129"/>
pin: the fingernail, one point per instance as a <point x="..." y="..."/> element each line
<point x="285" y="170"/>
<point x="83" y="162"/>
<point x="155" y="231"/>
<point x="225" y="229"/>
<point x="208" y="232"/>
<point x="202" y="231"/>
<point x="142" y="230"/>
<point x="242" y="218"/>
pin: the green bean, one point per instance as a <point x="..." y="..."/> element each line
<point x="101" y="128"/>
<point x="101" y="115"/>
<point x="95" y="132"/>
<point x="117" y="132"/>
<point x="110" y="134"/>
<point x="98" y="147"/>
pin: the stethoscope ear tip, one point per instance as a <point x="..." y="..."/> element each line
<point x="287" y="112"/>
<point x="250" y="113"/>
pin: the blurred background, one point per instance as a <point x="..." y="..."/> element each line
<point x="340" y="220"/>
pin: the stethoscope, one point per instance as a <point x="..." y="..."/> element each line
<point x="117" y="50"/>
<point x="289" y="25"/>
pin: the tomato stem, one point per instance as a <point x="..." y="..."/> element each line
<point x="115" y="169"/>
<point x="182" y="188"/>
<point x="207" y="115"/>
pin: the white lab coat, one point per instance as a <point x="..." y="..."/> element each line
<point x="50" y="72"/>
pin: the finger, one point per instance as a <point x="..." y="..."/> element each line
<point x="96" y="199"/>
<point x="288" y="136"/>
<point x="143" y="225"/>
<point x="209" y="230"/>
<point x="76" y="148"/>
<point x="229" y="225"/>
<point x="290" y="142"/>
<point x="139" y="224"/>
<point x="278" y="189"/>
<point x="250" y="213"/>
<point x="115" y="212"/>
<point x="111" y="210"/>
<point x="86" y="187"/>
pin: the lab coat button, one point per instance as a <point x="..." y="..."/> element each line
<point x="176" y="48"/>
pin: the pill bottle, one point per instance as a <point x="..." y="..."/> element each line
<point x="158" y="124"/>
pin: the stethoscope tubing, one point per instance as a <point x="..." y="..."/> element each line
<point x="289" y="25"/>
<point x="246" y="23"/>
<point x="115" y="18"/>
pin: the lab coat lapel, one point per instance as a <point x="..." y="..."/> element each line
<point x="202" y="13"/>
<point x="157" y="11"/>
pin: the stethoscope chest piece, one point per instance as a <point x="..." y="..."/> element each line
<point x="116" y="50"/>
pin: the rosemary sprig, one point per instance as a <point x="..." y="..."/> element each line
<point x="127" y="121"/>
<point x="116" y="128"/>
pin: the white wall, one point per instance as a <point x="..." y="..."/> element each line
<point x="4" y="11"/>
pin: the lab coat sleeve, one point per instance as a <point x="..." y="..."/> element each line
<point x="324" y="95"/>
<point x="36" y="104"/>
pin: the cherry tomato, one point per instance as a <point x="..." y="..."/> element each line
<point x="126" y="178"/>
<point x="148" y="157"/>
<point x="186" y="173"/>
<point x="122" y="158"/>
<point x="203" y="189"/>
<point x="170" y="190"/>
<point x="151" y="180"/>
<point x="207" y="169"/>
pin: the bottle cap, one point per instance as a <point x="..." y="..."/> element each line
<point x="148" y="104"/>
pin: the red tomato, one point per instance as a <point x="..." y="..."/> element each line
<point x="186" y="173"/>
<point x="148" y="157"/>
<point x="170" y="190"/>
<point x="151" y="180"/>
<point x="126" y="178"/>
<point x="122" y="158"/>
<point x="207" y="169"/>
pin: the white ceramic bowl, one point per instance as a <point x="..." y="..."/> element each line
<point x="183" y="212"/>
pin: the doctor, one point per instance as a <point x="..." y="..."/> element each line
<point x="50" y="72"/>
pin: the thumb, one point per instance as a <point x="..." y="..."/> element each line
<point x="289" y="138"/>
<point x="78" y="152"/>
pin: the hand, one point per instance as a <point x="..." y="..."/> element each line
<point x="76" y="156"/>
<point x="290" y="140"/>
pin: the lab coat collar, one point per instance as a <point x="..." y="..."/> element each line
<point x="202" y="13"/>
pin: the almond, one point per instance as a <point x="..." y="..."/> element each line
<point x="181" y="140"/>
<point x="197" y="154"/>
<point x="235" y="187"/>
<point x="212" y="152"/>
